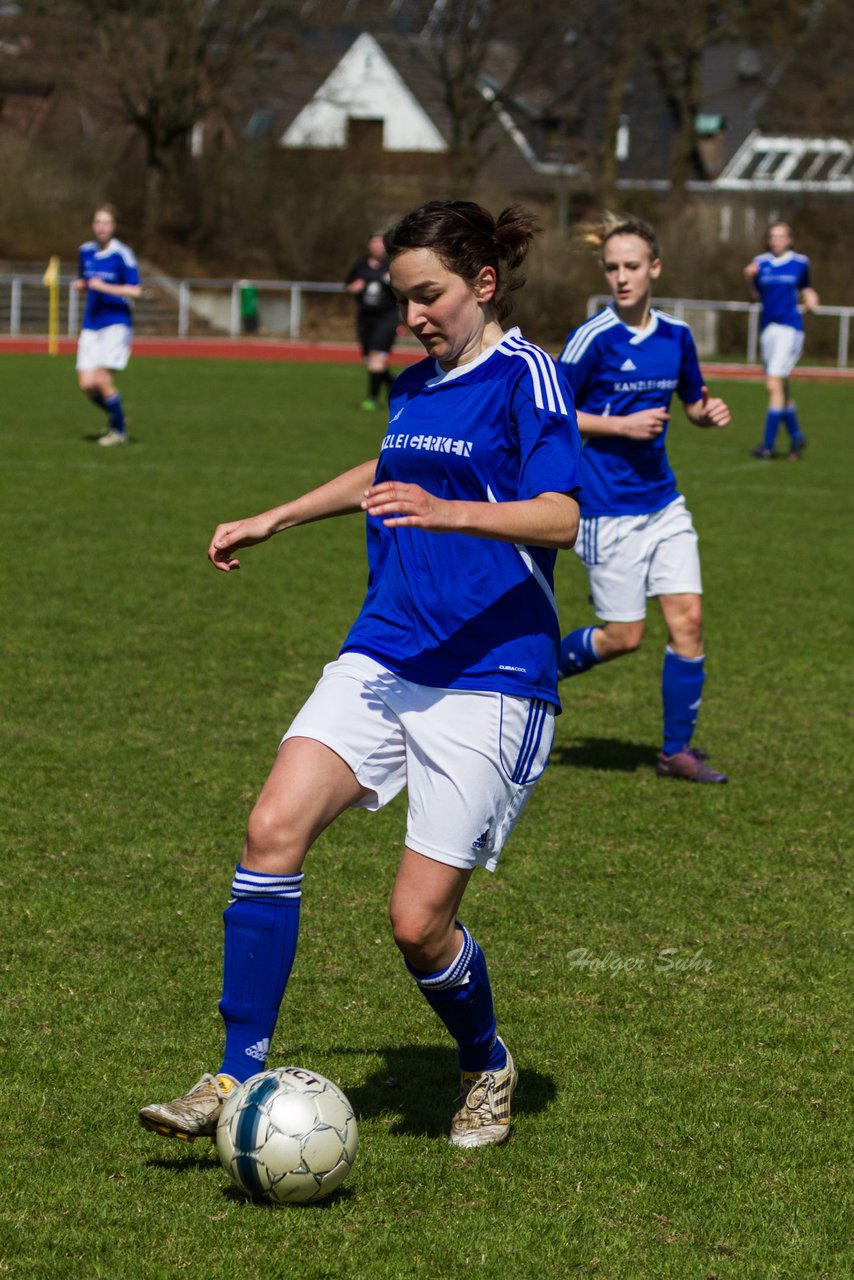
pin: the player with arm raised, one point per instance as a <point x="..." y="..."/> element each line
<point x="780" y="278"/>
<point x="446" y="683"/>
<point x="637" y="539"/>
<point x="109" y="277"/>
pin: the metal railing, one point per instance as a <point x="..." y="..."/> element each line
<point x="214" y="302"/>
<point x="688" y="308"/>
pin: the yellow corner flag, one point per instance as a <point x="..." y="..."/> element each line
<point x="51" y="280"/>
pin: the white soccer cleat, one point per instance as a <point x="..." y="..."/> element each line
<point x="112" y="437"/>
<point x="482" y="1118"/>
<point x="192" y="1116"/>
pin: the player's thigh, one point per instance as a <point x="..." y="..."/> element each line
<point x="307" y="788"/>
<point x="88" y="355"/>
<point x="674" y="567"/>
<point x="781" y="347"/>
<point x="383" y="332"/>
<point x="350" y="711"/>
<point x="473" y="759"/>
<point x="614" y="553"/>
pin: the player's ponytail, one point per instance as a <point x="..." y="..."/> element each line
<point x="467" y="238"/>
<point x="595" y="235"/>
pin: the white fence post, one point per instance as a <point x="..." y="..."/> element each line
<point x="183" y="309"/>
<point x="234" y="314"/>
<point x="73" y="310"/>
<point x="842" y="350"/>
<point x="15" y="307"/>
<point x="295" y="317"/>
<point x="753" y="333"/>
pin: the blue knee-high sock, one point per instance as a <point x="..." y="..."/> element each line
<point x="97" y="399"/>
<point x="113" y="406"/>
<point x="681" y="692"/>
<point x="790" y="418"/>
<point x="462" y="997"/>
<point x="773" y="418"/>
<point x="261" y="929"/>
<point x="577" y="653"/>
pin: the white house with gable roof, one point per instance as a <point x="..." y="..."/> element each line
<point x="364" y="86"/>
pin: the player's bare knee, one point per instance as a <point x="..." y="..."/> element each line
<point x="686" y="630"/>
<point x="417" y="938"/>
<point x="620" y="639"/>
<point x="272" y="842"/>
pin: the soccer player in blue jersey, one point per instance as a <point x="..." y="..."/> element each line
<point x="780" y="279"/>
<point x="109" y="277"/>
<point x="446" y="683"/>
<point x="636" y="538"/>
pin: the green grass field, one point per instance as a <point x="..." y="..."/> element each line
<point x="671" y="964"/>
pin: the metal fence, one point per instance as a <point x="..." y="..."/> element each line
<point x="170" y="305"/>
<point x="703" y="313"/>
<point x="183" y="307"/>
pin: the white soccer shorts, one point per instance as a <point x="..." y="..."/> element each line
<point x="468" y="758"/>
<point x="781" y="347"/>
<point x="107" y="348"/>
<point x="630" y="558"/>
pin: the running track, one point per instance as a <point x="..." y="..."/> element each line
<point x="334" y="353"/>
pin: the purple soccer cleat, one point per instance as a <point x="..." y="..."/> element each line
<point x="690" y="764"/>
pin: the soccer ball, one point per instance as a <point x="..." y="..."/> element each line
<point x="288" y="1135"/>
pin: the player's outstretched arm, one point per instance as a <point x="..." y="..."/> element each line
<point x="338" y="497"/>
<point x="709" y="411"/>
<point x="549" y="520"/>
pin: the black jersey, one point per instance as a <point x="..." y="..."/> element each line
<point x="376" y="295"/>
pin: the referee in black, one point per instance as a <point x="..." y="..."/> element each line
<point x="376" y="316"/>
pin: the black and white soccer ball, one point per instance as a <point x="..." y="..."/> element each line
<point x="288" y="1135"/>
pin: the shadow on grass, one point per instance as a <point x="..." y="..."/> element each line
<point x="418" y="1084"/>
<point x="186" y="1160"/>
<point x="611" y="754"/>
<point x="338" y="1196"/>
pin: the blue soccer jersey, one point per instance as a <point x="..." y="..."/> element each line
<point x="779" y="282"/>
<point x="451" y="610"/>
<point x="613" y="370"/>
<point x="114" y="264"/>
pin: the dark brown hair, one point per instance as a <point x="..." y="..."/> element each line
<point x="467" y="238"/>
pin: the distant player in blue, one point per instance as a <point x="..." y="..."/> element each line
<point x="780" y="278"/>
<point x="109" y="277"/>
<point x="446" y="683"/>
<point x="636" y="538"/>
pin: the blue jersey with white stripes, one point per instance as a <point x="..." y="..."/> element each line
<point x="114" y="264"/>
<point x="451" y="610"/>
<point x="779" y="282"/>
<point x="613" y="370"/>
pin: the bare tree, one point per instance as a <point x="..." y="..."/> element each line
<point x="467" y="41"/>
<point x="162" y="67"/>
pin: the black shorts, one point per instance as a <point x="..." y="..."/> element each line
<point x="376" y="330"/>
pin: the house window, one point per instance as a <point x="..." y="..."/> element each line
<point x="365" y="136"/>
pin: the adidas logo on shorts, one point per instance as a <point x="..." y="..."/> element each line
<point x="259" y="1050"/>
<point x="481" y="840"/>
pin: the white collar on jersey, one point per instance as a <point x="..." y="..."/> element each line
<point x="640" y="335"/>
<point x="109" y="247"/>
<point x="443" y="375"/>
